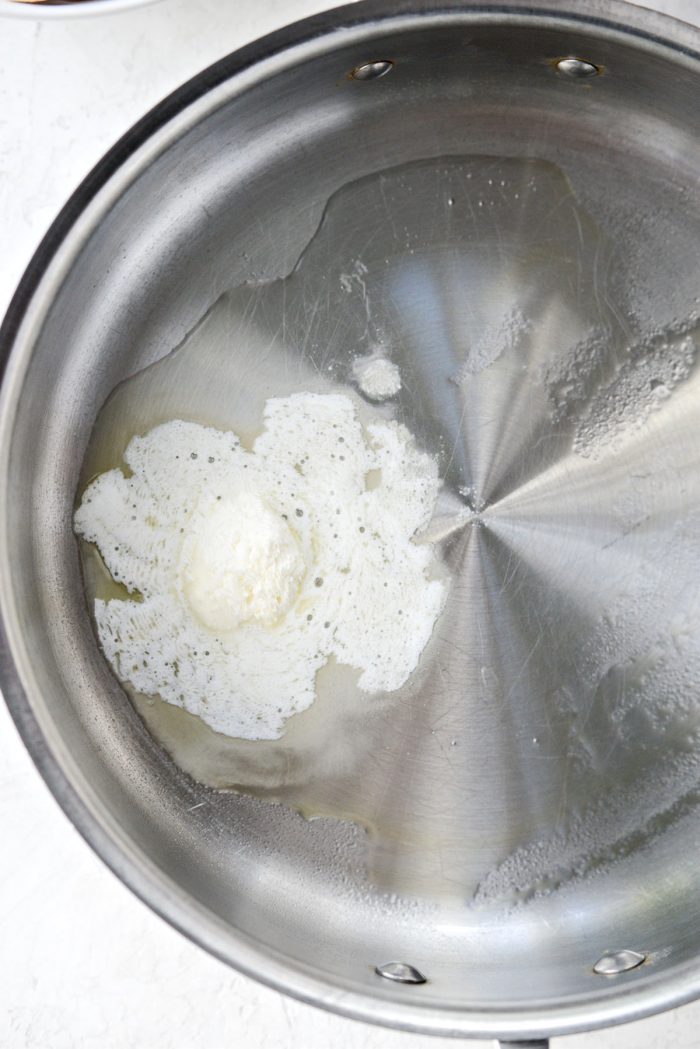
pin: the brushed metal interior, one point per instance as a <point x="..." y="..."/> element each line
<point x="561" y="827"/>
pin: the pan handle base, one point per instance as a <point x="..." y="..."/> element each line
<point x="538" y="1043"/>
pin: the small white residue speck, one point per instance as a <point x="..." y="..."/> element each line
<point x="377" y="377"/>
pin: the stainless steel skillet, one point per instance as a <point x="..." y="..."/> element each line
<point x="559" y="828"/>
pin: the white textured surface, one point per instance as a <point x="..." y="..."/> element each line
<point x="83" y="964"/>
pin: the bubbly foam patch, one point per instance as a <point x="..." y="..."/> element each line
<point x="249" y="570"/>
<point x="241" y="561"/>
<point x="377" y="377"/>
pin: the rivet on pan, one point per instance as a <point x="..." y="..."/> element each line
<point x="372" y="70"/>
<point x="576" y="68"/>
<point x="401" y="972"/>
<point x="613" y="963"/>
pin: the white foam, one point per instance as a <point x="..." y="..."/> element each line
<point x="377" y="377"/>
<point x="241" y="562"/>
<point x="333" y="557"/>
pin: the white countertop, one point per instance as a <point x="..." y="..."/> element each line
<point x="83" y="963"/>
